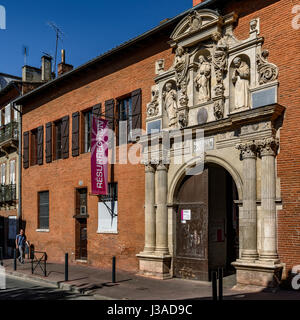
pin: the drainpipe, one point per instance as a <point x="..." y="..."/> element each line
<point x="19" y="162"/>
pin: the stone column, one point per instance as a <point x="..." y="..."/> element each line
<point x="248" y="221"/>
<point x="161" y="209"/>
<point x="150" y="222"/>
<point x="268" y="149"/>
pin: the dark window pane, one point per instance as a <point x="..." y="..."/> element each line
<point x="87" y="130"/>
<point x="44" y="210"/>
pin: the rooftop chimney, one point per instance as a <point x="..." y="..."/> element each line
<point x="46" y="68"/>
<point x="63" y="67"/>
<point x="195" y="2"/>
<point x="31" y="74"/>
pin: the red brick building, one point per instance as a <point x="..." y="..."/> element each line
<point x="234" y="93"/>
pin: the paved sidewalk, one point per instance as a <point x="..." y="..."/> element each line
<point x="130" y="286"/>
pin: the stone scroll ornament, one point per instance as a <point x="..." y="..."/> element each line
<point x="152" y="109"/>
<point x="219" y="109"/>
<point x="267" y="72"/>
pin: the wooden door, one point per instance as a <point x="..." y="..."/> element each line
<point x="191" y="261"/>
<point x="81" y="239"/>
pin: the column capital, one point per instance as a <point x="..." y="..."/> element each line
<point x="248" y="149"/>
<point x="268" y="146"/>
<point x="162" y="166"/>
<point x="150" y="168"/>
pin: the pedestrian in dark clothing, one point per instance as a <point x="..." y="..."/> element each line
<point x="20" y="245"/>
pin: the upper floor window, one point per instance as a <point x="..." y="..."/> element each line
<point x="7" y="114"/>
<point x="12" y="172"/>
<point x="3" y="173"/>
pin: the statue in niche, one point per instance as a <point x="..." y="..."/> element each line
<point x="202" y="80"/>
<point x="220" y="52"/>
<point x="170" y="104"/>
<point x="241" y="81"/>
<point x="181" y="64"/>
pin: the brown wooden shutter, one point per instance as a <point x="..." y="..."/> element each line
<point x="49" y="142"/>
<point x="75" y="134"/>
<point x="97" y="110"/>
<point x="109" y="113"/>
<point x="40" y="145"/>
<point x="65" y="137"/>
<point x="26" y="149"/>
<point x="136" y="109"/>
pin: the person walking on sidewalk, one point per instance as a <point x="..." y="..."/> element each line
<point x="20" y="244"/>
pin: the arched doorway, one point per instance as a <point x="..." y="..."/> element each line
<point x="207" y="235"/>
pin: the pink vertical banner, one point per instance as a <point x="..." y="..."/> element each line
<point x="99" y="156"/>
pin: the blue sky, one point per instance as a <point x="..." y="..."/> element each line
<point x="90" y="27"/>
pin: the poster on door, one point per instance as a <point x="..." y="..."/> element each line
<point x="186" y="215"/>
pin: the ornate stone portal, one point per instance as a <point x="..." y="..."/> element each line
<point x="226" y="87"/>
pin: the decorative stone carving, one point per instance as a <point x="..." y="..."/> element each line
<point x="267" y="72"/>
<point x="183" y="119"/>
<point x="202" y="80"/>
<point x="219" y="87"/>
<point x="241" y="80"/>
<point x="219" y="109"/>
<point x="170" y="104"/>
<point x="268" y="146"/>
<point x="248" y="149"/>
<point x="159" y="66"/>
<point x="181" y="65"/>
<point x="255" y="26"/>
<point x="220" y="54"/>
<point x="152" y="108"/>
<point x="195" y="21"/>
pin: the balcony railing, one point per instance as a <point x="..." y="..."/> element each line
<point x="7" y="193"/>
<point x="9" y="132"/>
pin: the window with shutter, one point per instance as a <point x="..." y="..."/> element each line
<point x="87" y="130"/>
<point x="65" y="137"/>
<point x="3" y="173"/>
<point x="26" y="150"/>
<point x="43" y="221"/>
<point x="7" y="114"/>
<point x="49" y="142"/>
<point x="40" y="145"/>
<point x="75" y="134"/>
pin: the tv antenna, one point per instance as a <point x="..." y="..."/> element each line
<point x="59" y="36"/>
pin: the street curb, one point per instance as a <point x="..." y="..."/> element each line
<point x="56" y="284"/>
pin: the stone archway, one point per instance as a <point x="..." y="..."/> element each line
<point x="210" y="239"/>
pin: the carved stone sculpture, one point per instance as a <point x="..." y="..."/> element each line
<point x="195" y="21"/>
<point x="267" y="72"/>
<point x="220" y="52"/>
<point x="202" y="80"/>
<point x="170" y="104"/>
<point x="219" y="109"/>
<point x="240" y="79"/>
<point x="219" y="87"/>
<point x="181" y="65"/>
<point x="152" y="109"/>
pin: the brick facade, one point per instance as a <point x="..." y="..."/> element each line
<point x="120" y="75"/>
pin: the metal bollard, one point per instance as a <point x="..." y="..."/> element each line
<point x="113" y="270"/>
<point x="1" y="256"/>
<point x="32" y="259"/>
<point x="220" y="274"/>
<point x="15" y="259"/>
<point x="214" y="286"/>
<point x="45" y="265"/>
<point x="66" y="267"/>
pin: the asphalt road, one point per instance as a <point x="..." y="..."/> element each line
<point x="17" y="289"/>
